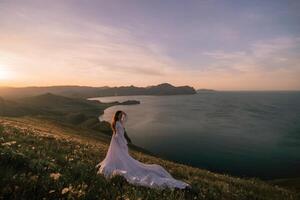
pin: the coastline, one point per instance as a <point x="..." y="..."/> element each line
<point x="274" y="178"/>
<point x="205" y="181"/>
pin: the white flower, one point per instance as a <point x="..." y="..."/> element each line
<point x="65" y="190"/>
<point x="55" y="176"/>
<point x="8" y="143"/>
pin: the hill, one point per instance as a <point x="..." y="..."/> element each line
<point x="45" y="159"/>
<point x="77" y="112"/>
<point x="87" y="92"/>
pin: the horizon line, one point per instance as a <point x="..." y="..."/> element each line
<point x="215" y="90"/>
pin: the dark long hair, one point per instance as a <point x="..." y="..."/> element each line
<point x="115" y="119"/>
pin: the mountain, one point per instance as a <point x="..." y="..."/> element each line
<point x="62" y="104"/>
<point x="74" y="111"/>
<point x="13" y="109"/>
<point x="168" y="89"/>
<point x="86" y="92"/>
<point x="71" y="91"/>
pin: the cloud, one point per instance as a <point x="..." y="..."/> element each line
<point x="70" y="43"/>
<point x="270" y="47"/>
<point x="264" y="56"/>
<point x="75" y="45"/>
<point x="221" y="55"/>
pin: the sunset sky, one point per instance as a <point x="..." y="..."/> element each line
<point x="218" y="44"/>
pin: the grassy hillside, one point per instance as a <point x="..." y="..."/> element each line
<point x="77" y="112"/>
<point x="43" y="159"/>
<point x="289" y="183"/>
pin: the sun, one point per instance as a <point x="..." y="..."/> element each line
<point x="5" y="74"/>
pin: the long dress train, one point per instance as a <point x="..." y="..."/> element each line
<point x="119" y="162"/>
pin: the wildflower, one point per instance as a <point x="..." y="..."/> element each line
<point x="65" y="190"/>
<point x="55" y="176"/>
<point x="8" y="143"/>
<point x="34" y="178"/>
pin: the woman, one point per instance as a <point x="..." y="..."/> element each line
<point x="119" y="162"/>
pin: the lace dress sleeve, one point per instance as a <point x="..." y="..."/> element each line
<point x="119" y="135"/>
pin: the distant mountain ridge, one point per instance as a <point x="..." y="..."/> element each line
<point x="87" y="92"/>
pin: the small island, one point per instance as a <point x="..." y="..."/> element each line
<point x="130" y="102"/>
<point x="205" y="90"/>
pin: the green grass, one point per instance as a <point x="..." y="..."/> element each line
<point x="76" y="112"/>
<point x="42" y="159"/>
<point x="289" y="183"/>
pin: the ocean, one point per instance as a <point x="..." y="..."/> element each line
<point x="246" y="134"/>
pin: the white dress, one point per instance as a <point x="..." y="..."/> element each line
<point x="119" y="162"/>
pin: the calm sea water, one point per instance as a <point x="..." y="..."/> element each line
<point x="251" y="134"/>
